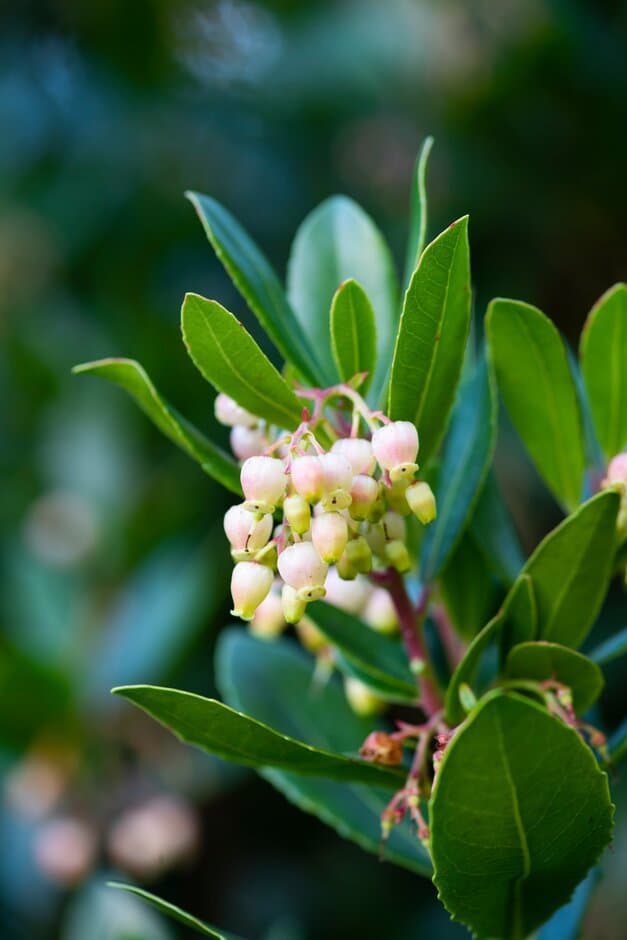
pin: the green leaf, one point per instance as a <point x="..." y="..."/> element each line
<point x="468" y="590"/>
<point x="465" y="463"/>
<point x="617" y="744"/>
<point x="543" y="660"/>
<point x="603" y="355"/>
<point x="228" y="357"/>
<point x="517" y="616"/>
<point x="566" y="922"/>
<point x="431" y="338"/>
<point x="418" y="211"/>
<point x="493" y="533"/>
<point x="613" y="648"/>
<point x="537" y="387"/>
<point x="380" y="660"/>
<point x="255" y="279"/>
<point x="336" y="242"/>
<point x="131" y="376"/>
<point x="274" y="682"/>
<point x="353" y="332"/>
<point x="171" y="910"/>
<point x="570" y="570"/>
<point x="218" y="729"/>
<point x="520" y="811"/>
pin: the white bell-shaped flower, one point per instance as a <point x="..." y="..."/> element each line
<point x="358" y="451"/>
<point x="329" y="534"/>
<point x="263" y="482"/>
<point x="250" y="584"/>
<point x="230" y="413"/>
<point x="301" y="567"/>
<point x="395" y="446"/>
<point x="247" y="442"/>
<point x="245" y="531"/>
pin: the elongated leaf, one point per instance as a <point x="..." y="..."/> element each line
<point x="595" y="461"/>
<point x="520" y="811"/>
<point x="218" y="729"/>
<point x="465" y="463"/>
<point x="613" y="648"/>
<point x="131" y="376"/>
<point x="380" y="659"/>
<point x="535" y="381"/>
<point x="353" y="332"/>
<point x="570" y="570"/>
<point x="176" y="913"/>
<point x="517" y="615"/>
<point x="231" y="360"/>
<point x="255" y="279"/>
<point x="543" y="660"/>
<point x="274" y="682"/>
<point x="338" y="241"/>
<point x="469" y="591"/>
<point x="432" y="335"/>
<point x="418" y="211"/>
<point x="493" y="533"/>
<point x="604" y="365"/>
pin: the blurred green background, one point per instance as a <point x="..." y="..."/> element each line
<point x="113" y="569"/>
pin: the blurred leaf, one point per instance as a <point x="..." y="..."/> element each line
<point x="468" y="590"/>
<point x="380" y="659"/>
<point x="570" y="570"/>
<point x="353" y="333"/>
<point x="336" y="242"/>
<point x="565" y="924"/>
<point x="97" y="913"/>
<point x="274" y="682"/>
<point x="218" y="729"/>
<point x="493" y="533"/>
<point x="40" y="696"/>
<point x="617" y="744"/>
<point x="522" y="808"/>
<point x="466" y="459"/>
<point x="418" y="211"/>
<point x="518" y="613"/>
<point x="613" y="648"/>
<point x="535" y="381"/>
<point x="431" y="338"/>
<point x="595" y="462"/>
<point x="228" y="357"/>
<point x="171" y="910"/>
<point x="131" y="376"/>
<point x="253" y="276"/>
<point x="543" y="660"/>
<point x="604" y="364"/>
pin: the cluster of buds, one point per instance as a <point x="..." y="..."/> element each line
<point x="321" y="506"/>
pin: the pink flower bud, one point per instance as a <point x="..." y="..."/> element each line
<point x="301" y="567"/>
<point x="350" y="596"/>
<point x="308" y="478"/>
<point x="297" y="513"/>
<point x="617" y="470"/>
<point x="268" y="621"/>
<point x="329" y="534"/>
<point x="380" y="613"/>
<point x="338" y="479"/>
<point x="395" y="446"/>
<point x="361" y="698"/>
<point x="293" y="606"/>
<point x="358" y="452"/>
<point x="230" y="413"/>
<point x="246" y="531"/>
<point x="263" y="481"/>
<point x="247" y="442"/>
<point x="364" y="495"/>
<point x="421" y="501"/>
<point x="250" y="584"/>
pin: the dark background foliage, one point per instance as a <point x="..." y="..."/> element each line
<point x="112" y="570"/>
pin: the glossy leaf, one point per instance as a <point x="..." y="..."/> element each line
<point x="520" y="811"/>
<point x="465" y="463"/>
<point x="353" y="333"/>
<point x="228" y="357"/>
<point x="492" y="531"/>
<point x="131" y="376"/>
<point x="613" y="648"/>
<point x="176" y="913"/>
<point x="517" y="615"/>
<point x="255" y="279"/>
<point x="338" y="241"/>
<point x="432" y="335"/>
<point x="604" y="365"/>
<point x="418" y="211"/>
<point x="468" y="589"/>
<point x="570" y="570"/>
<point x="218" y="729"/>
<point x="381" y="660"/>
<point x="543" y="660"/>
<point x="274" y="682"/>
<point x="539" y="393"/>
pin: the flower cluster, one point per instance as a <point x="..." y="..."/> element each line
<point x="324" y="505"/>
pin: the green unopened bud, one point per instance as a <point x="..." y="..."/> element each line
<point x="294" y="607"/>
<point x="297" y="513"/>
<point x="397" y="555"/>
<point x="310" y="636"/>
<point x="361" y="698"/>
<point x="346" y="569"/>
<point x="421" y="501"/>
<point x="268" y="556"/>
<point x="359" y="554"/>
<point x="396" y="497"/>
<point x="380" y="612"/>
